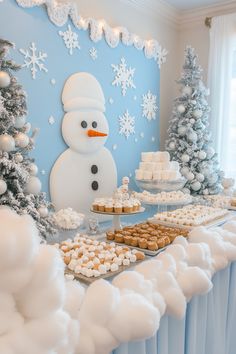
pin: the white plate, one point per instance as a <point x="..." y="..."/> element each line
<point x="213" y="223"/>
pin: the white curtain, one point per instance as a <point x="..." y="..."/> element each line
<point x="222" y="37"/>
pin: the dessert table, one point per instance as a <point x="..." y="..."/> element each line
<point x="208" y="327"/>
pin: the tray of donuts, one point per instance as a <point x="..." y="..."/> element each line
<point x="147" y="237"/>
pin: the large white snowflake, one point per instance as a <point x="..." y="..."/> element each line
<point x="93" y="53"/>
<point x="127" y="125"/>
<point x="124" y="76"/>
<point x="34" y="60"/>
<point x="149" y="106"/>
<point x="70" y="39"/>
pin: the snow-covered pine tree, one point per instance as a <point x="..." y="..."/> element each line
<point x="19" y="186"/>
<point x="189" y="140"/>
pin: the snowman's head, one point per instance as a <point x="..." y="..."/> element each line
<point x="84" y="128"/>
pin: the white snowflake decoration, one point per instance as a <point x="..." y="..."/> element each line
<point x="161" y="56"/>
<point x="124" y="76"/>
<point x="53" y="81"/>
<point x="127" y="125"/>
<point x="149" y="106"/>
<point x="34" y="60"/>
<point x="136" y="140"/>
<point x="51" y="120"/>
<point x="114" y="147"/>
<point x="43" y="172"/>
<point x="142" y="135"/>
<point x="111" y="101"/>
<point x="153" y="139"/>
<point x="70" y="39"/>
<point x="93" y="53"/>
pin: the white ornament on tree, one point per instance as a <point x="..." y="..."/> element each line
<point x="186" y="191"/>
<point x="33" y="169"/>
<point x="193" y="102"/>
<point x="172" y="145"/>
<point x="192" y="136"/>
<point x="197" y="113"/>
<point x="196" y="186"/>
<point x="19" y="122"/>
<point x="202" y="155"/>
<point x="21" y="140"/>
<point x="182" y="130"/>
<point x="185" y="158"/>
<point x="43" y="211"/>
<point x="184" y="170"/>
<point x="205" y="191"/>
<point x="3" y="186"/>
<point x="5" y="79"/>
<point x="187" y="90"/>
<point x="190" y="176"/>
<point x="200" y="177"/>
<point x="210" y="152"/>
<point x="181" y="108"/>
<point x="33" y="186"/>
<point x="18" y="157"/>
<point x="192" y="120"/>
<point x="7" y="143"/>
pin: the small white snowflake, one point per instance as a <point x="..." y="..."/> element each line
<point x="114" y="147"/>
<point x="111" y="101"/>
<point x="142" y="135"/>
<point x="34" y="60"/>
<point x="43" y="172"/>
<point x="130" y="175"/>
<point x="53" y="81"/>
<point x="153" y="138"/>
<point x="136" y="140"/>
<point x="161" y="56"/>
<point x="70" y="39"/>
<point x="149" y="106"/>
<point x="135" y="98"/>
<point x="51" y="120"/>
<point x="124" y="76"/>
<point x="93" y="53"/>
<point x="127" y="125"/>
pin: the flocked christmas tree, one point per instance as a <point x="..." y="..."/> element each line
<point x="19" y="186"/>
<point x="189" y="140"/>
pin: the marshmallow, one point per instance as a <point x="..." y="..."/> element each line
<point x="147" y="156"/>
<point x="174" y="165"/>
<point x="138" y="175"/>
<point x="147" y="175"/>
<point x="157" y="175"/>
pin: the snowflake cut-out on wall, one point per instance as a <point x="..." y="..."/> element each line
<point x="93" y="53"/>
<point x="149" y="106"/>
<point x="34" y="60"/>
<point x="127" y="125"/>
<point x="124" y="76"/>
<point x="70" y="39"/>
<point x="51" y="120"/>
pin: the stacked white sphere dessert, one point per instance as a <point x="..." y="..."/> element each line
<point x="171" y="198"/>
<point x="158" y="167"/>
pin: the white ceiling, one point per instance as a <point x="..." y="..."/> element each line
<point x="192" y="4"/>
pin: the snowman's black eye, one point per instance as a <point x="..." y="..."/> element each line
<point x="84" y="124"/>
<point x="94" y="124"/>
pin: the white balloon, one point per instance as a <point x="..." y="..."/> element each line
<point x="19" y="122"/>
<point x="22" y="140"/>
<point x="3" y="186"/>
<point x="33" y="186"/>
<point x="187" y="90"/>
<point x="4" y="79"/>
<point x="185" y="158"/>
<point x="7" y="143"/>
<point x="27" y="127"/>
<point x="181" y="108"/>
<point x="43" y="211"/>
<point x="196" y="186"/>
<point x="33" y="169"/>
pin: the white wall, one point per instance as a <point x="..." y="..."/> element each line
<point x="120" y="13"/>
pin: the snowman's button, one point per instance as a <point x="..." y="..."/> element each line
<point x="94" y="185"/>
<point x="94" y="169"/>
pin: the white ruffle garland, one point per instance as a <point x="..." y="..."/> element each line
<point x="59" y="12"/>
<point x="42" y="313"/>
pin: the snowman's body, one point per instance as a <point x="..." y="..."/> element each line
<point x="86" y="170"/>
<point x="72" y="179"/>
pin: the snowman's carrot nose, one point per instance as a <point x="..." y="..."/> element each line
<point x="93" y="133"/>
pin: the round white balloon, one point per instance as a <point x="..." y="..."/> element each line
<point x="187" y="90"/>
<point x="33" y="186"/>
<point x="4" y="79"/>
<point x="43" y="211"/>
<point x="33" y="169"/>
<point x="7" y="143"/>
<point x="19" y="122"/>
<point x="185" y="158"/>
<point x="3" y="187"/>
<point x="22" y="140"/>
<point x="196" y="186"/>
<point x="181" y="108"/>
<point x="202" y="155"/>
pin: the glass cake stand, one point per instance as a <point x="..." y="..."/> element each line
<point x="167" y="206"/>
<point x="116" y="216"/>
<point x="155" y="186"/>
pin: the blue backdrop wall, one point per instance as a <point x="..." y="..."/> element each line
<point x="24" y="26"/>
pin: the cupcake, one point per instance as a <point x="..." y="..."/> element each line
<point x="118" y="207"/>
<point x="128" y="208"/>
<point x="95" y="206"/>
<point x="119" y="238"/>
<point x="152" y="246"/>
<point x="109" y="207"/>
<point x="101" y="205"/>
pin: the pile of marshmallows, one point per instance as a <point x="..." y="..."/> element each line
<point x="157" y="166"/>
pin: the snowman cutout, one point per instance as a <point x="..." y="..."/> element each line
<point x="86" y="170"/>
